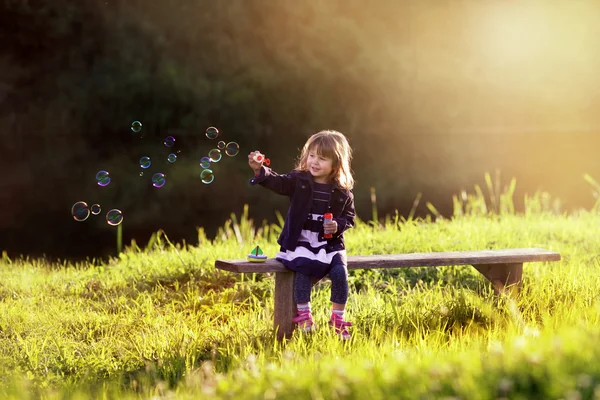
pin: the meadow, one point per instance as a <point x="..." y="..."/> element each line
<point x="160" y="322"/>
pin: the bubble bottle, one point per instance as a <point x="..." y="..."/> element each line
<point x="328" y="217"/>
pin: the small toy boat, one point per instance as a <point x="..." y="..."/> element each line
<point x="257" y="255"/>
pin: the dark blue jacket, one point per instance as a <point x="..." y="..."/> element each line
<point x="298" y="186"/>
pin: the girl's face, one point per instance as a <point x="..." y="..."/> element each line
<point x="319" y="166"/>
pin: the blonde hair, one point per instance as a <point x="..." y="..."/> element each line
<point x="333" y="145"/>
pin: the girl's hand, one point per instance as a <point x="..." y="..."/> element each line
<point x="330" y="227"/>
<point x="255" y="165"/>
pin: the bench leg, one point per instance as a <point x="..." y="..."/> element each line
<point x="504" y="277"/>
<point x="285" y="306"/>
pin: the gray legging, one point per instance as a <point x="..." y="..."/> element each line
<point x="339" y="285"/>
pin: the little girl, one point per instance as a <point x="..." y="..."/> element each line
<point x="321" y="183"/>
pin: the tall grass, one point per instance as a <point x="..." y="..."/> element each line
<point x="162" y="322"/>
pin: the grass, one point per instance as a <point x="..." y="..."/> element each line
<point x="162" y="322"/>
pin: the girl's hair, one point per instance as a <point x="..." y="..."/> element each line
<point x="334" y="145"/>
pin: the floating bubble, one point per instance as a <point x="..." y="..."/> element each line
<point x="96" y="209"/>
<point x="142" y="173"/>
<point x="158" y="180"/>
<point x="80" y="211"/>
<point x="207" y="176"/>
<point x="172" y="158"/>
<point x="114" y="217"/>
<point x="103" y="178"/>
<point x="136" y="126"/>
<point x="205" y="162"/>
<point x="212" y="132"/>
<point x="169" y="141"/>
<point x="232" y="149"/>
<point x="221" y="145"/>
<point x="145" y="162"/>
<point x="214" y="155"/>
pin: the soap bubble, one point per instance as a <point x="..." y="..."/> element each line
<point x="80" y="211"/>
<point x="169" y="141"/>
<point x="207" y="176"/>
<point x="158" y="180"/>
<point x="205" y="162"/>
<point x="232" y="149"/>
<point x="172" y="158"/>
<point x="96" y="209"/>
<point x="212" y="132"/>
<point x="142" y="173"/>
<point x="214" y="155"/>
<point x="221" y="145"/>
<point x="136" y="126"/>
<point x="114" y="217"/>
<point x="103" y="178"/>
<point x="145" y="162"/>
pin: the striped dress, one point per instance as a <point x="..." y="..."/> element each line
<point x="310" y="257"/>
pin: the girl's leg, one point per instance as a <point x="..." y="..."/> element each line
<point x="302" y="287"/>
<point x="339" y="298"/>
<point x="339" y="286"/>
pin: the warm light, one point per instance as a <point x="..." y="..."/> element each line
<point x="512" y="32"/>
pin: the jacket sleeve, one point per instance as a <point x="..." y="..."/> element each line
<point x="280" y="184"/>
<point x="346" y="220"/>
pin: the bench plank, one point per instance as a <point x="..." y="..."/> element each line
<point x="484" y="257"/>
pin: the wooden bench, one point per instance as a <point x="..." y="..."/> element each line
<point x="504" y="268"/>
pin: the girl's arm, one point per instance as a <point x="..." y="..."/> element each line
<point x="346" y="220"/>
<point x="280" y="184"/>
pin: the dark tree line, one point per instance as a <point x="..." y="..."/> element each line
<point x="74" y="75"/>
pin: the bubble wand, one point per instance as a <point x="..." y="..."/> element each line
<point x="259" y="157"/>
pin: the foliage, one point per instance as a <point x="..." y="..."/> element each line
<point x="162" y="322"/>
<point x="75" y="74"/>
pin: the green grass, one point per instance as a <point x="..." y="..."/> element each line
<point x="161" y="322"/>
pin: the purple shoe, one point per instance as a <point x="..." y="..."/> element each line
<point x="341" y="326"/>
<point x="304" y="321"/>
